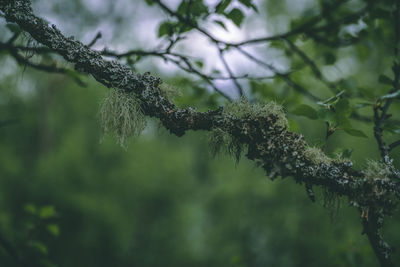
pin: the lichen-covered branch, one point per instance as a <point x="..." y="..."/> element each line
<point x="261" y="130"/>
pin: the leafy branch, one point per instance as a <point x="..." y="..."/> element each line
<point x="259" y="129"/>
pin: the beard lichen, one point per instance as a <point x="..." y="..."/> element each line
<point x="121" y="115"/>
<point x="221" y="141"/>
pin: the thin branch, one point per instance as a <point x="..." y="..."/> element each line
<point x="372" y="223"/>
<point x="380" y="118"/>
<point x="230" y="72"/>
<point x="41" y="67"/>
<point x="186" y="20"/>
<point x="394" y="145"/>
<point x="313" y="66"/>
<point x="95" y="39"/>
<point x="285" y="77"/>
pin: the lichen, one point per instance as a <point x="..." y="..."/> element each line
<point x="331" y="201"/>
<point x="376" y="170"/>
<point x="121" y="115"/>
<point x="316" y="156"/>
<point x="244" y="109"/>
<point x="221" y="141"/>
<point x="169" y="91"/>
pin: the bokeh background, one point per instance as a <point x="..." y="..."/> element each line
<point x="70" y="196"/>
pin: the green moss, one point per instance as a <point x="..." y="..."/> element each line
<point x="376" y="170"/>
<point x="221" y="141"/>
<point x="316" y="156"/>
<point x="244" y="109"/>
<point x="121" y="114"/>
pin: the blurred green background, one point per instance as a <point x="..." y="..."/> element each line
<point x="72" y="197"/>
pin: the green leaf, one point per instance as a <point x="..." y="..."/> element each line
<point x="246" y="2"/>
<point x="199" y="63"/>
<point x="183" y="8"/>
<point x="39" y="246"/>
<point x="329" y="58"/>
<point x="216" y="71"/>
<point x="220" y="23"/>
<point x="166" y="28"/>
<point x="342" y="112"/>
<point x="368" y="93"/>
<point x="220" y="8"/>
<point x="327" y="115"/>
<point x="47" y="212"/>
<point x="236" y="15"/>
<point x="150" y="2"/>
<point x="306" y="111"/>
<point x="383" y="79"/>
<point x="196" y="8"/>
<point x="391" y="127"/>
<point x="30" y="208"/>
<point x="355" y="132"/>
<point x="53" y="229"/>
<point x="249" y="4"/>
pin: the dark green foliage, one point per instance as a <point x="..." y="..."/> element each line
<point x="236" y="15"/>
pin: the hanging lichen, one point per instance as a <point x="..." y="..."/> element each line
<point x="221" y="141"/>
<point x="331" y="201"/>
<point x="121" y="115"/>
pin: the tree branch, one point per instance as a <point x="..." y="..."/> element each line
<point x="279" y="151"/>
<point x="380" y="118"/>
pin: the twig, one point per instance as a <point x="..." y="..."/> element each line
<point x="285" y="77"/>
<point x="95" y="39"/>
<point x="394" y="145"/>
<point x="231" y="75"/>
<point x="313" y="66"/>
<point x="379" y="119"/>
